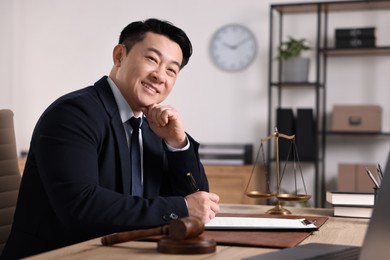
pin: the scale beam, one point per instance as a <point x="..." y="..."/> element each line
<point x="280" y="197"/>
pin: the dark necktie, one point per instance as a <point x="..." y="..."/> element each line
<point x="136" y="183"/>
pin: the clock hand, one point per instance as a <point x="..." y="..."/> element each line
<point x="239" y="43"/>
<point x="235" y="46"/>
<point x="228" y="45"/>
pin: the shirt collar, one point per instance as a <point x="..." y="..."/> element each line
<point x="124" y="109"/>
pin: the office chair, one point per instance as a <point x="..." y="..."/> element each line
<point x="9" y="174"/>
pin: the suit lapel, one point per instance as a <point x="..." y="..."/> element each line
<point x="124" y="153"/>
<point x="108" y="100"/>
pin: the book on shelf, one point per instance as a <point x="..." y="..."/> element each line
<point x="353" y="211"/>
<point x="350" y="198"/>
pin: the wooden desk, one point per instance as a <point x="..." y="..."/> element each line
<point x="346" y="231"/>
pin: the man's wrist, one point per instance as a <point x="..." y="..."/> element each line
<point x="175" y="149"/>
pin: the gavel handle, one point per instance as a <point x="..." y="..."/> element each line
<point x="126" y="236"/>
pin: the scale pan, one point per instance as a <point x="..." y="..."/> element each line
<point x="258" y="194"/>
<point x="293" y="197"/>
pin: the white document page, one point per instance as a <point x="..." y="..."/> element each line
<point x="258" y="223"/>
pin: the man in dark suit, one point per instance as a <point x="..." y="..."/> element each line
<point x="77" y="180"/>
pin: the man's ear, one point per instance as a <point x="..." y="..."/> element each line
<point x="118" y="54"/>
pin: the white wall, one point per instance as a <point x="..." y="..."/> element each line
<point x="51" y="47"/>
<point x="58" y="46"/>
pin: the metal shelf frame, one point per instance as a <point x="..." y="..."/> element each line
<point x="322" y="52"/>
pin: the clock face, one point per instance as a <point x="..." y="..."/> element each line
<point x="233" y="47"/>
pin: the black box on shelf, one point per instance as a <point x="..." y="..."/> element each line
<point x="285" y="123"/>
<point x="305" y="134"/>
<point x="303" y="126"/>
<point x="355" y="43"/>
<point x="226" y="154"/>
<point x="366" y="32"/>
<point x="355" y="38"/>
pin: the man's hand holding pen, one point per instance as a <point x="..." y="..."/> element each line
<point x="203" y="205"/>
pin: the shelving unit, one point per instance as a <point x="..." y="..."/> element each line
<point x="322" y="52"/>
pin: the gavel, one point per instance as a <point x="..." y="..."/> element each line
<point x="179" y="229"/>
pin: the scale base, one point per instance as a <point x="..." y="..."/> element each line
<point x="278" y="210"/>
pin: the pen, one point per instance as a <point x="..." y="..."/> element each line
<point x="372" y="178"/>
<point x="193" y="182"/>
<point x="379" y="170"/>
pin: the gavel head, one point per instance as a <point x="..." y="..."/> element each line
<point x="184" y="228"/>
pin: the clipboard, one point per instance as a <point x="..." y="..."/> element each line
<point x="276" y="238"/>
<point x="282" y="238"/>
<point x="260" y="223"/>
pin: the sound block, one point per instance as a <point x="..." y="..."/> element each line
<point x="197" y="245"/>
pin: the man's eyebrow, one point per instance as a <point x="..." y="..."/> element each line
<point x="160" y="54"/>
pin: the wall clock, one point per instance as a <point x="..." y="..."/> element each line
<point x="233" y="47"/>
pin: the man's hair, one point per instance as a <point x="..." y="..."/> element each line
<point x="135" y="32"/>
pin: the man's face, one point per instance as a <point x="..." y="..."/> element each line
<point x="146" y="75"/>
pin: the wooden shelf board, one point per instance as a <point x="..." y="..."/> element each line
<point x="385" y="50"/>
<point x="358" y="133"/>
<point x="311" y="7"/>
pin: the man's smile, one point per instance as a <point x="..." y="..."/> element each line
<point x="150" y="87"/>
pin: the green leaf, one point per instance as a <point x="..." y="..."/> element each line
<point x="292" y="48"/>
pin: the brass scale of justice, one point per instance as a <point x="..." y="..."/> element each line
<point x="278" y="209"/>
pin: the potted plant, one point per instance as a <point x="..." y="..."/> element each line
<point x="294" y="67"/>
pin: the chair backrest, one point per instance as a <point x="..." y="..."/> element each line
<point x="9" y="174"/>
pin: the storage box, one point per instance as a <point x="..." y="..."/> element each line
<point x="352" y="177"/>
<point x="361" y="118"/>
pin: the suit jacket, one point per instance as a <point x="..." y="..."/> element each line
<point x="76" y="182"/>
